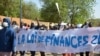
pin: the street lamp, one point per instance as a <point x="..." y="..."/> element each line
<point x="20" y="13"/>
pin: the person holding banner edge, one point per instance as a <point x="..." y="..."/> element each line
<point x="86" y="25"/>
<point x="67" y="27"/>
<point x="38" y="27"/>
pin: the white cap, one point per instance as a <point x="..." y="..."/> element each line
<point x="52" y="24"/>
<point x="63" y="23"/>
<point x="79" y="25"/>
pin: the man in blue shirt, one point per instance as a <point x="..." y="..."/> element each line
<point x="7" y="37"/>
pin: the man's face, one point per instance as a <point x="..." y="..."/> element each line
<point x="69" y="25"/>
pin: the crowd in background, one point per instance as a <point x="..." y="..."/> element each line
<point x="52" y="26"/>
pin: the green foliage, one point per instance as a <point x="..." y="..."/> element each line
<point x="9" y="7"/>
<point x="81" y="10"/>
<point x="49" y="11"/>
<point x="12" y="8"/>
<point x="95" y="22"/>
<point x="76" y="11"/>
<point x="30" y="10"/>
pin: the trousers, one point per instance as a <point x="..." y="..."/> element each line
<point x="5" y="53"/>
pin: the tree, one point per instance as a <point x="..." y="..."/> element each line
<point x="50" y="13"/>
<point x="9" y="7"/>
<point x="95" y="22"/>
<point x="30" y="10"/>
<point x="80" y="10"/>
<point x="77" y="11"/>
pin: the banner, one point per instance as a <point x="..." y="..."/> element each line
<point x="59" y="41"/>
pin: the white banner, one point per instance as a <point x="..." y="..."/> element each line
<point x="57" y="41"/>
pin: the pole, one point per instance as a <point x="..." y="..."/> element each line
<point x="20" y="13"/>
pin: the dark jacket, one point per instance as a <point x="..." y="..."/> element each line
<point x="7" y="36"/>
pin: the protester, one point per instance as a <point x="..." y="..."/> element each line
<point x="16" y="28"/>
<point x="7" y="38"/>
<point x="32" y="26"/>
<point x="86" y="25"/>
<point x="42" y="27"/>
<point x="24" y="27"/>
<point x="67" y="27"/>
<point x="53" y="27"/>
<point x="38" y="27"/>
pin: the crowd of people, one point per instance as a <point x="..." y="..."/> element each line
<point x="9" y="29"/>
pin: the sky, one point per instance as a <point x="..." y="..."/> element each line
<point x="96" y="7"/>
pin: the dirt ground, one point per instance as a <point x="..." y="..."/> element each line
<point x="50" y="54"/>
<point x="38" y="54"/>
